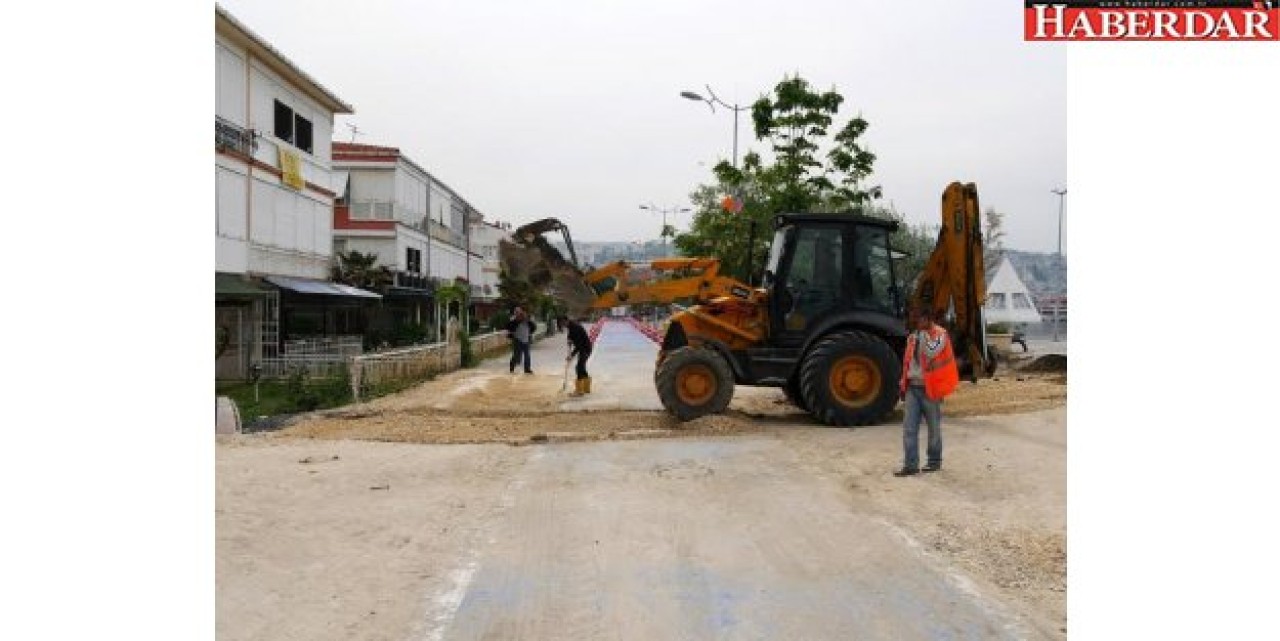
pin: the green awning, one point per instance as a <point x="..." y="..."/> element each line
<point x="237" y="285"/>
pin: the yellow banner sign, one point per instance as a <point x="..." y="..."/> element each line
<point x="291" y="169"/>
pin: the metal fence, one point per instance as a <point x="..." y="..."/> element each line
<point x="415" y="363"/>
<point x="317" y="357"/>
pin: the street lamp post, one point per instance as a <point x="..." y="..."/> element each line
<point x="1061" y="197"/>
<point x="712" y="102"/>
<point x="664" y="211"/>
<point x="1057" y="310"/>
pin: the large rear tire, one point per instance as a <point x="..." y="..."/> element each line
<point x="850" y="378"/>
<point x="694" y="382"/>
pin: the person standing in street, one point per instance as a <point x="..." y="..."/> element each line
<point x="520" y="330"/>
<point x="580" y="346"/>
<point x="929" y="374"/>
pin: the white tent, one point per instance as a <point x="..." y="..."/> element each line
<point x="1008" y="300"/>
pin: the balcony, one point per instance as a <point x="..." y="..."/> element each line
<point x="445" y="235"/>
<point x="411" y="280"/>
<point x="373" y="210"/>
<point x="232" y="137"/>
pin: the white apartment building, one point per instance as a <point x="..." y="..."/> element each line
<point x="273" y="195"/>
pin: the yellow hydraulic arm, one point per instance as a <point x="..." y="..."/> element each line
<point x="664" y="280"/>
<point x="954" y="278"/>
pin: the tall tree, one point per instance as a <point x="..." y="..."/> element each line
<point x="810" y="171"/>
<point x="992" y="237"/>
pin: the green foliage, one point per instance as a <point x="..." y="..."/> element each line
<point x="498" y="322"/>
<point x="811" y="171"/>
<point x="992" y="237"/>
<point x="998" y="328"/>
<point x="411" y="334"/>
<point x="361" y="270"/>
<point x="306" y="394"/>
<point x="469" y="358"/>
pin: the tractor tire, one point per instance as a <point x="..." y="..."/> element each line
<point x="794" y="394"/>
<point x="694" y="382"/>
<point x="850" y="378"/>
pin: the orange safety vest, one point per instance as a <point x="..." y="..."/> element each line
<point x="941" y="376"/>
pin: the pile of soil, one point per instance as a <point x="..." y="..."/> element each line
<point x="1056" y="363"/>
<point x="509" y="427"/>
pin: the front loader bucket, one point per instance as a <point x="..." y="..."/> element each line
<point x="545" y="270"/>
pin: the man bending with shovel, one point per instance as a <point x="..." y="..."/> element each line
<point x="580" y="346"/>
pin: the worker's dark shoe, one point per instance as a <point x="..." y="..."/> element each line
<point x="932" y="467"/>
<point x="907" y="471"/>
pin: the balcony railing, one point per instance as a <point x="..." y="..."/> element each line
<point x="446" y="235"/>
<point x="229" y="135"/>
<point x="410" y="280"/>
<point x="373" y="210"/>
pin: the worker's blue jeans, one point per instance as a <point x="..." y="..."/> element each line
<point x="519" y="351"/>
<point x="916" y="405"/>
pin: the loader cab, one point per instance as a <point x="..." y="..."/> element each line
<point x="822" y="266"/>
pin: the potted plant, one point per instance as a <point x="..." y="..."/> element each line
<point x="1000" y="336"/>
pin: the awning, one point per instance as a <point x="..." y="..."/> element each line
<point x="325" y="288"/>
<point x="236" y="285"/>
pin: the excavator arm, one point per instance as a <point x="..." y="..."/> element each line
<point x="665" y="280"/>
<point x="529" y="258"/>
<point x="953" y="284"/>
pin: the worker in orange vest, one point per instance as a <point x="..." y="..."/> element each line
<point x="929" y="374"/>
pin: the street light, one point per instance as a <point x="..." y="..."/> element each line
<point x="1057" y="309"/>
<point x="1061" y="197"/>
<point x="712" y="102"/>
<point x="664" y="211"/>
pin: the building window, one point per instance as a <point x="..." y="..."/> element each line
<point x="339" y="246"/>
<point x="413" y="260"/>
<point x="1020" y="301"/>
<point x="997" y="302"/>
<point x="293" y="128"/>
<point x="302" y="133"/>
<point x="284" y="122"/>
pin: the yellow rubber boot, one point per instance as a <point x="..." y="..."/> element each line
<point x="586" y="385"/>
<point x="577" y="388"/>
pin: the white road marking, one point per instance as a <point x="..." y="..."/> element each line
<point x="443" y="607"/>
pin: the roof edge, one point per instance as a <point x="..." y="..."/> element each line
<point x="310" y="85"/>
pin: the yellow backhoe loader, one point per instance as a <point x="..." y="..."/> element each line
<point x="827" y="324"/>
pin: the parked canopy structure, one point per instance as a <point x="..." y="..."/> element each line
<point x="1008" y="299"/>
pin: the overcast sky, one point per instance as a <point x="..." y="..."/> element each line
<point x="571" y="108"/>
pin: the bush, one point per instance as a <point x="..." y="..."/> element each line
<point x="498" y="322"/>
<point x="469" y="358"/>
<point x="412" y="334"/>
<point x="306" y="395"/>
<point x="998" y="328"/>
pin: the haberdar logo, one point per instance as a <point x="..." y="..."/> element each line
<point x="1151" y="20"/>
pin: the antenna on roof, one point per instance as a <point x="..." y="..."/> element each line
<point x="354" y="131"/>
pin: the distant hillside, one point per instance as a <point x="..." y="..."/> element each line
<point x="1044" y="273"/>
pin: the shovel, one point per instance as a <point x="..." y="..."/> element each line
<point x="564" y="385"/>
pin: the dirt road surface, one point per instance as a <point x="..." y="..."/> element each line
<point x="780" y="529"/>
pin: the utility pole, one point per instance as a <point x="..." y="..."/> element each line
<point x="664" y="211"/>
<point x="1061" y="197"/>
